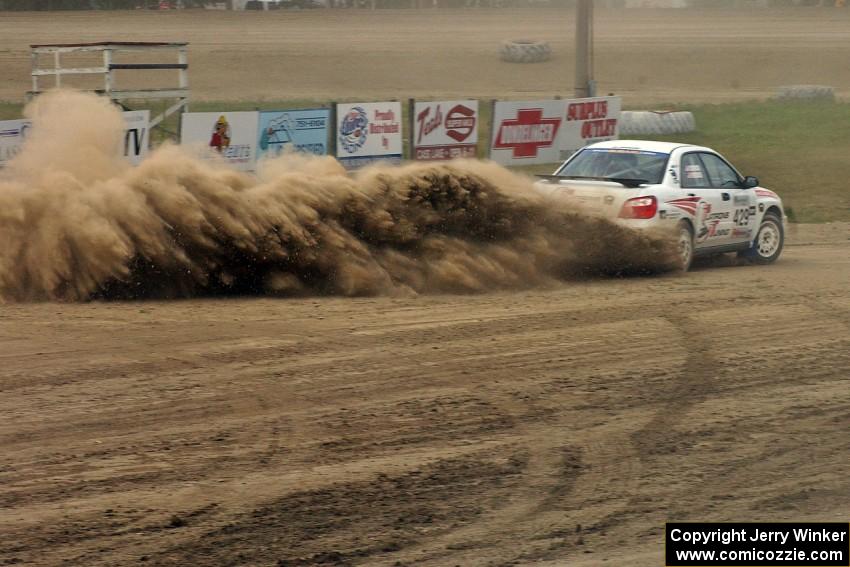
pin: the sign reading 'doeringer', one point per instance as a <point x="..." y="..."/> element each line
<point x="368" y="132"/>
<point x="445" y="129"/>
<point x="548" y="131"/>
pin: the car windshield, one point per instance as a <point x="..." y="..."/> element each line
<point x="614" y="163"/>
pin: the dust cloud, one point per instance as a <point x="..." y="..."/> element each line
<point x="78" y="223"/>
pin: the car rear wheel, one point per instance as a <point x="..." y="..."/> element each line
<point x="686" y="245"/>
<point x="769" y="241"/>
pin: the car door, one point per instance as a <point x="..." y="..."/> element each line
<point x="713" y="212"/>
<point x="727" y="180"/>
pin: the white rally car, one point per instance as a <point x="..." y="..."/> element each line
<point x="645" y="184"/>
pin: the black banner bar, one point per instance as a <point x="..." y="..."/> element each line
<point x="802" y="544"/>
<point x="114" y="66"/>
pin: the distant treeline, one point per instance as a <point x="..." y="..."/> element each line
<point x="94" y="4"/>
<point x="155" y="4"/>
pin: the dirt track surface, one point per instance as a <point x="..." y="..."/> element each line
<point x="646" y="55"/>
<point x="554" y="426"/>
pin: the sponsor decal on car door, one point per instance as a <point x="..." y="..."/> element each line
<point x="710" y="207"/>
<point x="742" y="211"/>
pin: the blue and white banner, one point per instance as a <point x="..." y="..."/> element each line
<point x="299" y="130"/>
<point x="367" y="132"/>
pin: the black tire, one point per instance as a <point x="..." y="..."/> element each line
<point x="686" y="238"/>
<point x="523" y="51"/>
<point x="769" y="240"/>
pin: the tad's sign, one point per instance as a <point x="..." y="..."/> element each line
<point x="445" y="129"/>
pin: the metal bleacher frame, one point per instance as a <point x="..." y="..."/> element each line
<point x="109" y="49"/>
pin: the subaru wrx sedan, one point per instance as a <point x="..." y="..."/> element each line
<point x="693" y="189"/>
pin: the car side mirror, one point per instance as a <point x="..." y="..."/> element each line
<point x="750" y="182"/>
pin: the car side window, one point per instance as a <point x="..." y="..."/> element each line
<point x="720" y="173"/>
<point x="694" y="175"/>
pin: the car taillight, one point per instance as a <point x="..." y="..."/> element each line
<point x="639" y="208"/>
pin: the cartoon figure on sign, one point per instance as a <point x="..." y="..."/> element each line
<point x="221" y="134"/>
<point x="353" y="130"/>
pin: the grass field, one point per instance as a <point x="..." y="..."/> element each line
<point x="796" y="149"/>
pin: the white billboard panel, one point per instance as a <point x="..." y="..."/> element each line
<point x="232" y="135"/>
<point x="12" y="136"/>
<point x="526" y="132"/>
<point x="137" y="135"/>
<point x="445" y="129"/>
<point x="587" y="121"/>
<point x="368" y="132"/>
<point x="135" y="141"/>
<point x="549" y="131"/>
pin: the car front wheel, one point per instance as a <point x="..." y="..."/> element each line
<point x="769" y="241"/>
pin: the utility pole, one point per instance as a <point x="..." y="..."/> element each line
<point x="584" y="84"/>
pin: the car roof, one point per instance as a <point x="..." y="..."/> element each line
<point x="646" y="145"/>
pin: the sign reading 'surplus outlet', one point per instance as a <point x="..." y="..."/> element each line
<point x="367" y="132"/>
<point x="587" y="121"/>
<point x="445" y="129"/>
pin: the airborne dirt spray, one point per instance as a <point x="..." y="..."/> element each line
<point x="77" y="222"/>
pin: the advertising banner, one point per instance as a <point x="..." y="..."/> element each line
<point x="549" y="131"/>
<point x="368" y="132"/>
<point x="299" y="130"/>
<point x="12" y="136"/>
<point x="137" y="135"/>
<point x="526" y="133"/>
<point x="135" y="142"/>
<point x="233" y="135"/>
<point x="587" y="121"/>
<point x="445" y="129"/>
